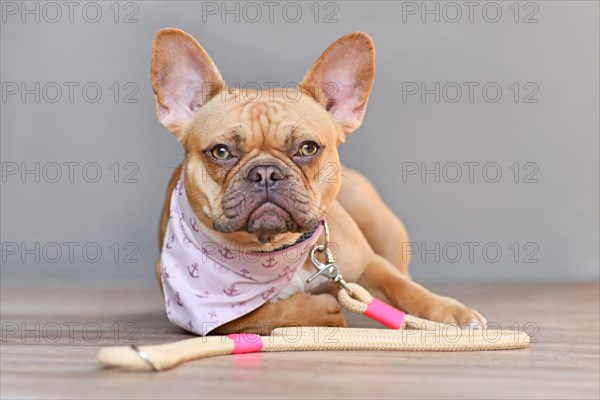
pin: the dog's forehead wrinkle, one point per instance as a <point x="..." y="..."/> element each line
<point x="263" y="120"/>
<point x="268" y="122"/>
<point x="237" y="138"/>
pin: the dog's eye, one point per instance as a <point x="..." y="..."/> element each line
<point x="308" y="149"/>
<point x="220" y="152"/>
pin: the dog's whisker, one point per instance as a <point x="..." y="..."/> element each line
<point x="170" y="167"/>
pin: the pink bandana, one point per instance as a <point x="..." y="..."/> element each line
<point x="206" y="284"/>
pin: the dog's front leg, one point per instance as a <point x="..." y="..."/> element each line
<point x="301" y="309"/>
<point x="382" y="277"/>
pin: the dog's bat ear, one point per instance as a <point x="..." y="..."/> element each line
<point x="183" y="78"/>
<point x="341" y="79"/>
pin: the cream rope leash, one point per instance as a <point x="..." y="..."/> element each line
<point x="408" y="333"/>
<point x="435" y="337"/>
<point x="359" y="300"/>
<point x="166" y="356"/>
<point x="415" y="334"/>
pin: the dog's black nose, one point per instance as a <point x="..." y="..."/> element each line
<point x="265" y="175"/>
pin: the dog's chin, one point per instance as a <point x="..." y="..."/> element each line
<point x="269" y="220"/>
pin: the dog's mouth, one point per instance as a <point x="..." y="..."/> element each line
<point x="269" y="219"/>
<point x="266" y="215"/>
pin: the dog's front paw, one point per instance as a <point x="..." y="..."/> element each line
<point x="451" y="311"/>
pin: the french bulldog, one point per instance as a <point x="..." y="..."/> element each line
<point x="261" y="172"/>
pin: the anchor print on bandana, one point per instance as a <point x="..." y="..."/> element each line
<point x="266" y="295"/>
<point x="206" y="283"/>
<point x="210" y="319"/>
<point x="270" y="263"/>
<point x="245" y="273"/>
<point x="179" y="188"/>
<point x="170" y="240"/>
<point x="168" y="306"/>
<point x="194" y="225"/>
<point x="212" y="315"/>
<point x="204" y="250"/>
<point x="177" y="299"/>
<point x="231" y="291"/>
<point x="193" y="270"/>
<point x="288" y="272"/>
<point x="169" y="272"/>
<point x="190" y="326"/>
<point x="226" y="253"/>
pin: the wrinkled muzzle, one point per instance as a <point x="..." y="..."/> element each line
<point x="266" y="198"/>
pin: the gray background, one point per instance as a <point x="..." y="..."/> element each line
<point x="557" y="217"/>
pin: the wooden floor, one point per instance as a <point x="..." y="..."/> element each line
<point x="563" y="363"/>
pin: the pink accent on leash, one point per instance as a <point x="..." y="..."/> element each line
<point x="384" y="313"/>
<point x="245" y="343"/>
